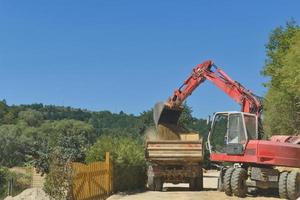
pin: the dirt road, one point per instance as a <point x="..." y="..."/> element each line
<point x="180" y="192"/>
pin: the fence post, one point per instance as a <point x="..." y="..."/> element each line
<point x="107" y="172"/>
<point x="10" y="187"/>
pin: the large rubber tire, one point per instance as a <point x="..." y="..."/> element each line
<point x="220" y="186"/>
<point x="238" y="182"/>
<point x="158" y="184"/>
<point x="282" y="185"/>
<point x="227" y="181"/>
<point x="293" y="185"/>
<point x="199" y="183"/>
<point x="196" y="184"/>
<point x="192" y="184"/>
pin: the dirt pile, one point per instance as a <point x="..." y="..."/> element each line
<point x="30" y="194"/>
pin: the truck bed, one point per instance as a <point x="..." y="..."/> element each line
<point x="174" y="151"/>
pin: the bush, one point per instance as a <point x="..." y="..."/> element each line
<point x="58" y="181"/>
<point x="3" y="181"/>
<point x="20" y="181"/>
<point x="128" y="160"/>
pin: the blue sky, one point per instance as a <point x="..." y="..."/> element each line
<point x="127" y="55"/>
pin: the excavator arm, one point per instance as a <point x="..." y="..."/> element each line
<point x="249" y="102"/>
<point x="170" y="111"/>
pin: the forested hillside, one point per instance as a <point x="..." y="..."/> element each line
<point x="30" y="132"/>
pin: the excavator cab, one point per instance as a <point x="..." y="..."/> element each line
<point x="230" y="132"/>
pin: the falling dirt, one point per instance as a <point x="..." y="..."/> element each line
<point x="164" y="132"/>
<point x="167" y="132"/>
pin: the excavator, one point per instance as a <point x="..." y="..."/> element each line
<point x="236" y="138"/>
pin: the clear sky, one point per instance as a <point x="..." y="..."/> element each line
<point x="127" y="55"/>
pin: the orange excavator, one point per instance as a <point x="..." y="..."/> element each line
<point x="236" y="138"/>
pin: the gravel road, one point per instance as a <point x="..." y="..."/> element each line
<point x="180" y="192"/>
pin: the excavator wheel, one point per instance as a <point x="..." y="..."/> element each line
<point x="227" y="181"/>
<point x="293" y="185"/>
<point x="238" y="182"/>
<point x="158" y="184"/>
<point x="220" y="186"/>
<point x="282" y="184"/>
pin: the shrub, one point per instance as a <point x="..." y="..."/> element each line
<point x="3" y="181"/>
<point x="58" y="181"/>
<point x="128" y="160"/>
<point x="20" y="181"/>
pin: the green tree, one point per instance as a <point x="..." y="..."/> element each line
<point x="12" y="146"/>
<point x="67" y="138"/>
<point x="31" y="117"/>
<point x="281" y="114"/>
<point x="127" y="155"/>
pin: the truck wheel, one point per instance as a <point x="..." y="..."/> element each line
<point x="282" y="184"/>
<point x="238" y="182"/>
<point x="199" y="183"/>
<point x="293" y="185"/>
<point x="192" y="185"/>
<point x="227" y="181"/>
<point x="150" y="175"/>
<point x="158" y="184"/>
<point x="196" y="184"/>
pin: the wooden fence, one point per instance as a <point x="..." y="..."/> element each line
<point x="93" y="181"/>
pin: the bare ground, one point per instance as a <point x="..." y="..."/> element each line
<point x="180" y="192"/>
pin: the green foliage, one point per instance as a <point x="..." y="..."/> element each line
<point x="3" y="181"/>
<point x="31" y="117"/>
<point x="59" y="179"/>
<point x="106" y="122"/>
<point x="12" y="145"/>
<point x="282" y="101"/>
<point x="66" y="138"/>
<point x="65" y="142"/>
<point x="47" y="137"/>
<point x="128" y="158"/>
<point x="20" y="181"/>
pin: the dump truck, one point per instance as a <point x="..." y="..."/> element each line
<point x="174" y="155"/>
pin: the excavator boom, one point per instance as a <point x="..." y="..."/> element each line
<point x="170" y="111"/>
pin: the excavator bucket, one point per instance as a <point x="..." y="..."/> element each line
<point x="163" y="114"/>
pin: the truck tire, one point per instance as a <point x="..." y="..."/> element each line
<point x="238" y="182"/>
<point x="227" y="181"/>
<point x="282" y="185"/>
<point x="158" y="184"/>
<point x="199" y="183"/>
<point x="196" y="183"/>
<point x="192" y="184"/>
<point x="293" y="185"/>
